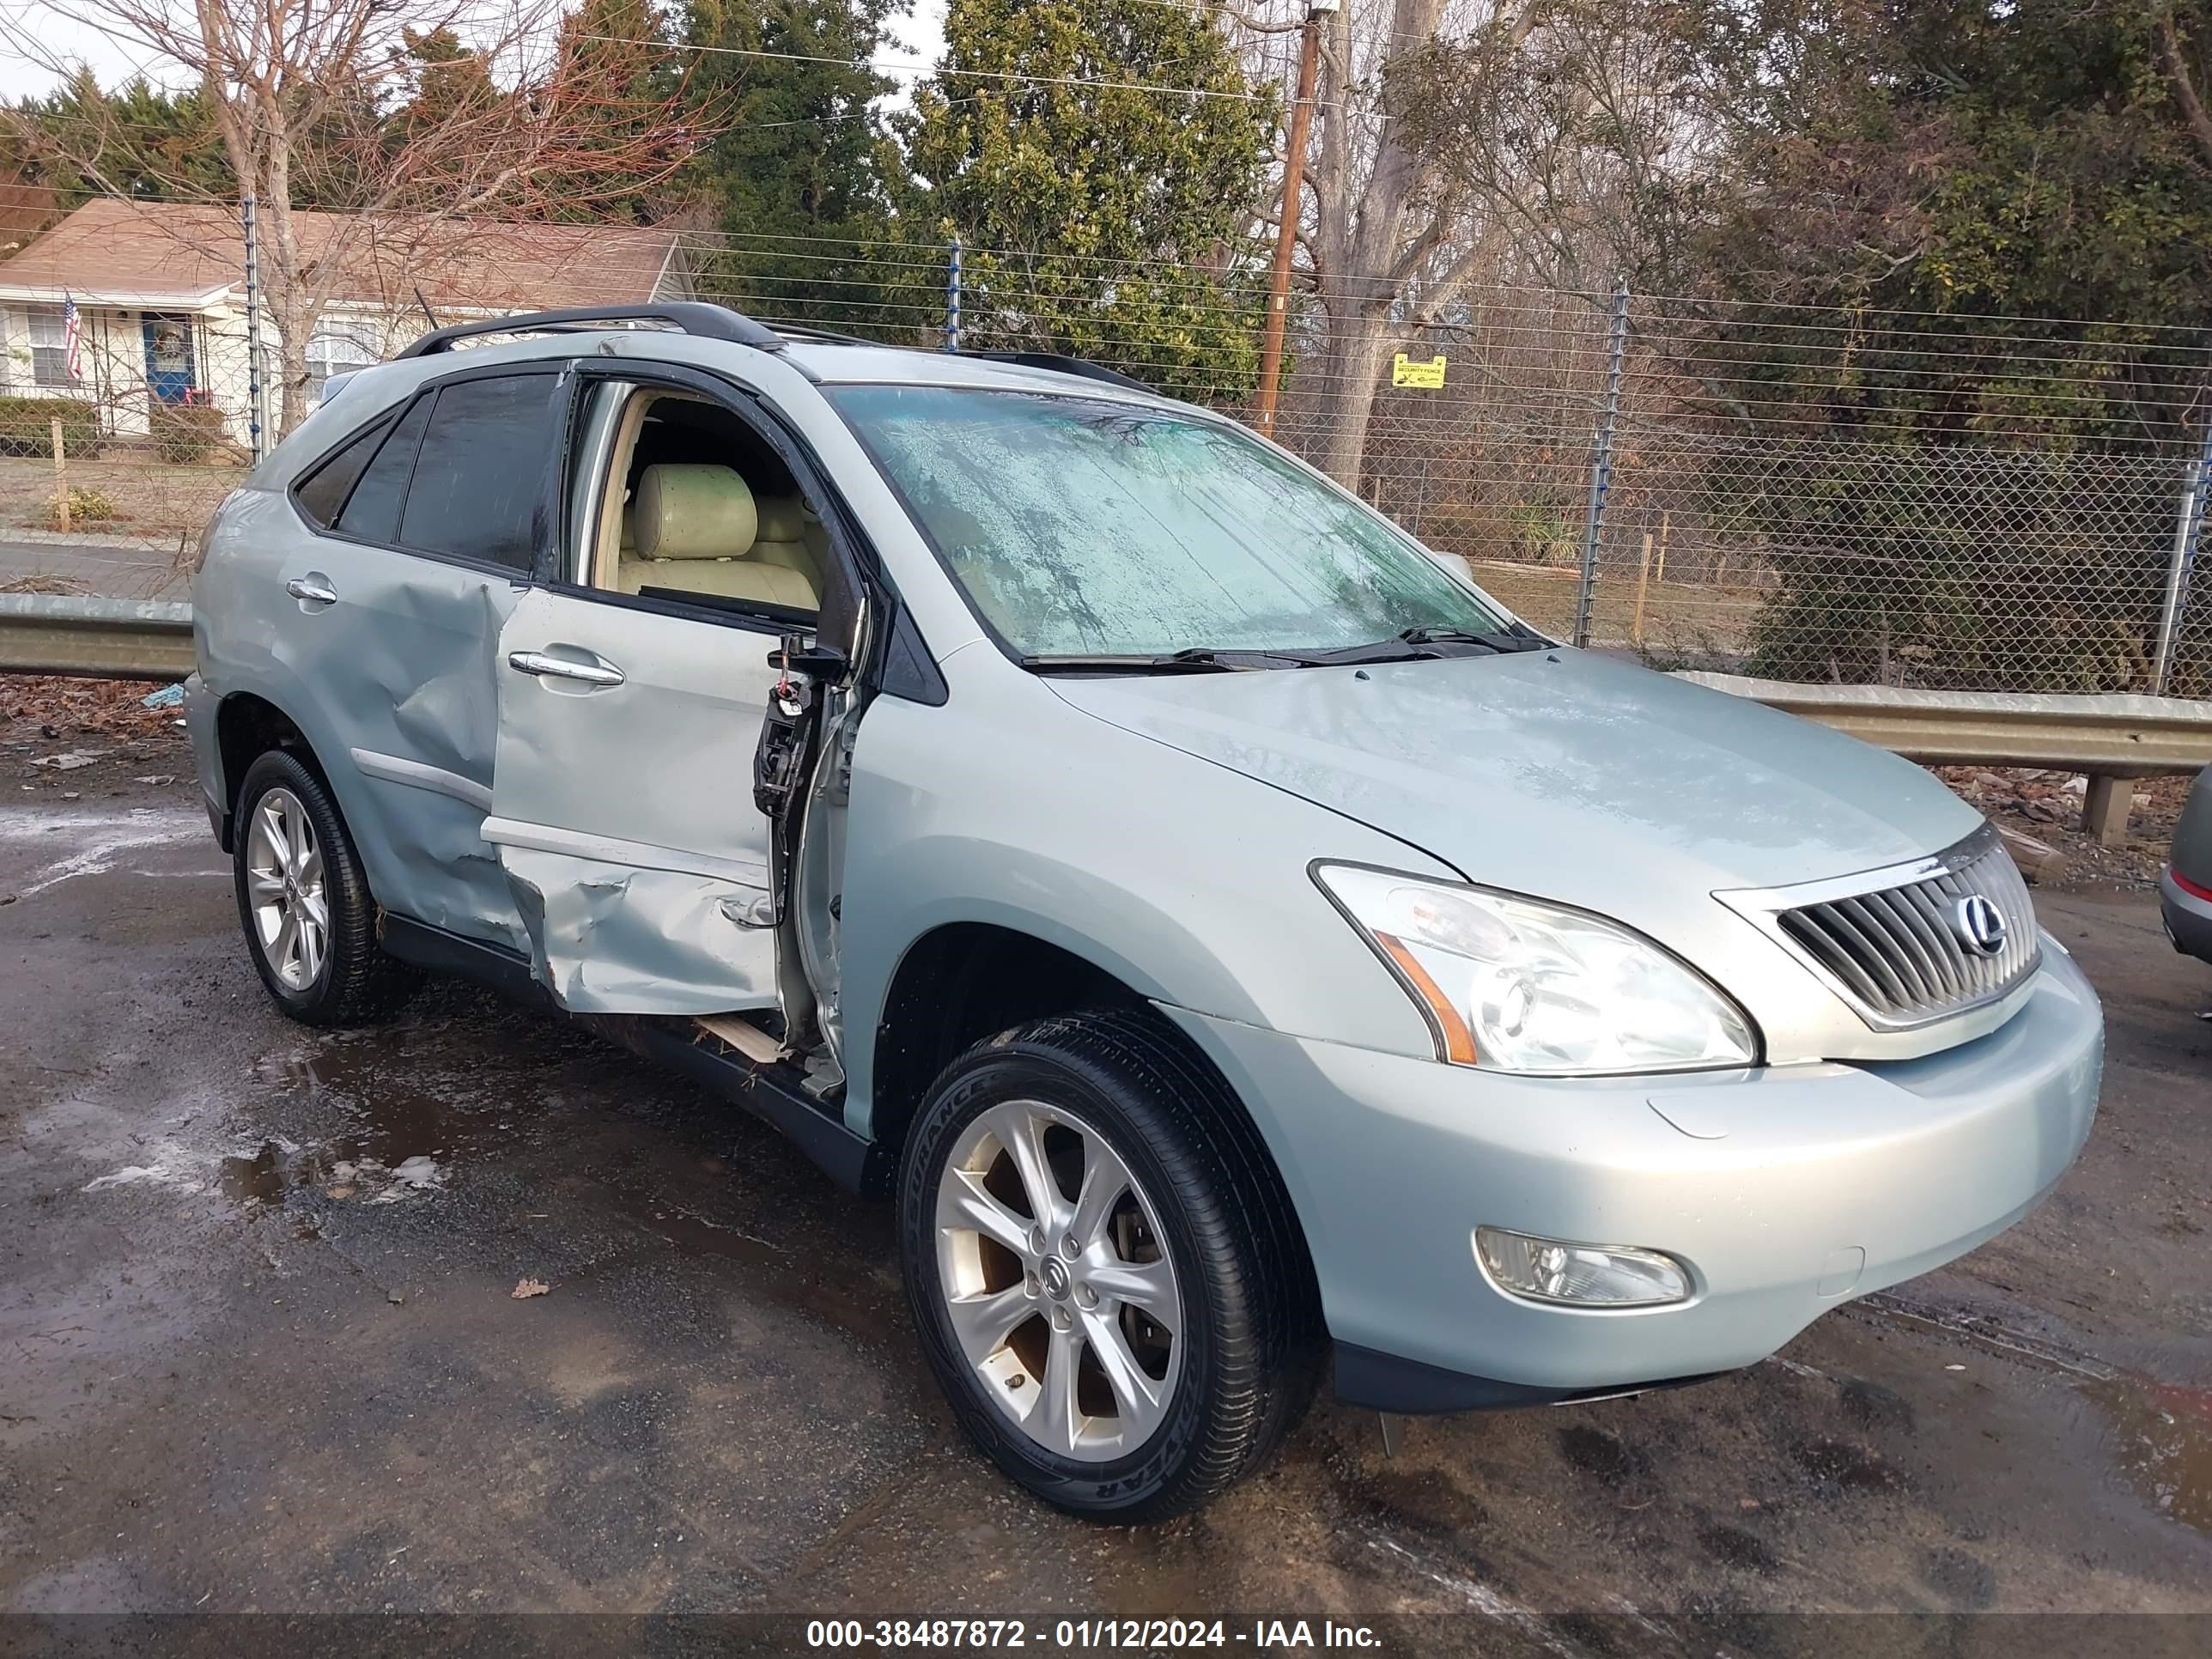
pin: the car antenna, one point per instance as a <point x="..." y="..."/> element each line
<point x="425" y="304"/>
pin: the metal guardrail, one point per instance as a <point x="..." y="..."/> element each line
<point x="104" y="638"/>
<point x="2113" y="735"/>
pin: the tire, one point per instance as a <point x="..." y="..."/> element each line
<point x="1033" y="1356"/>
<point x="291" y="850"/>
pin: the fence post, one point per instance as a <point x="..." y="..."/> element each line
<point x="61" y="480"/>
<point x="2189" y="526"/>
<point x="256" y="428"/>
<point x="952" y="298"/>
<point x="1601" y="461"/>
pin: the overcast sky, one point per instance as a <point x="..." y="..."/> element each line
<point x="921" y="35"/>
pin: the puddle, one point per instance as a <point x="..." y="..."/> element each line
<point x="400" y="1124"/>
<point x="2161" y="1438"/>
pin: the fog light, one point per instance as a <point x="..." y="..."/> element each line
<point x="1583" y="1275"/>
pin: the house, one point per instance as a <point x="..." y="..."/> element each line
<point x="159" y="290"/>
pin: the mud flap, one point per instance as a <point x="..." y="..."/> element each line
<point x="613" y="938"/>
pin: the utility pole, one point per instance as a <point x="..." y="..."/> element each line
<point x="1286" y="227"/>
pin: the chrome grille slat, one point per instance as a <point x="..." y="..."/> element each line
<point x="1926" y="948"/>
<point x="1895" y="949"/>
<point x="1922" y="906"/>
<point x="1869" y="938"/>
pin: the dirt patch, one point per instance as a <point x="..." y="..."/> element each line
<point x="2048" y="807"/>
<point x="71" y="739"/>
<point x="148" y="498"/>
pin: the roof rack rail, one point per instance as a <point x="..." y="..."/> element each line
<point x="798" y="330"/>
<point x="1060" y="363"/>
<point x="711" y="322"/>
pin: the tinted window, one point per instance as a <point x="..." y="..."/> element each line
<point x="478" y="480"/>
<point x="372" y="512"/>
<point x="327" y="487"/>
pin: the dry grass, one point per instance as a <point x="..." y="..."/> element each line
<point x="1678" y="616"/>
<point x="151" y="502"/>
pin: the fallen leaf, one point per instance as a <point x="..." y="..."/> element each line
<point x="525" y="1288"/>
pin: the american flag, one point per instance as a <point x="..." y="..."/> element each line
<point x="73" y="337"/>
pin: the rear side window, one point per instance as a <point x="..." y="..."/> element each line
<point x="327" y="487"/>
<point x="372" y="512"/>
<point x="477" y="479"/>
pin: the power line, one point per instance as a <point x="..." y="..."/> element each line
<point x="889" y="66"/>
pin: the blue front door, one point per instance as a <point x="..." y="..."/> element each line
<point x="169" y="357"/>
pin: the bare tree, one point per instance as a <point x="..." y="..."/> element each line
<point x="402" y="121"/>
<point x="1460" y="139"/>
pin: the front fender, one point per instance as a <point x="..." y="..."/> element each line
<point x="1186" y="881"/>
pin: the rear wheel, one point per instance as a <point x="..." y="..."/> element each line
<point x="1109" y="1287"/>
<point x="304" y="904"/>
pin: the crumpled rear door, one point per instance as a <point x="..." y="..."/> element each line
<point x="623" y="809"/>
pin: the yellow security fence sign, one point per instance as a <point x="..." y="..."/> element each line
<point x="1405" y="372"/>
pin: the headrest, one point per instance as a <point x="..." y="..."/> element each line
<point x="693" y="510"/>
<point x="782" y="518"/>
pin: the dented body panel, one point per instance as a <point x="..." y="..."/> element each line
<point x="622" y="814"/>
<point x="394" y="684"/>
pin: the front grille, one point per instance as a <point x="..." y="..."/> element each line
<point x="1899" y="950"/>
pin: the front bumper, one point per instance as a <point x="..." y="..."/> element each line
<point x="2188" y="918"/>
<point x="1786" y="1190"/>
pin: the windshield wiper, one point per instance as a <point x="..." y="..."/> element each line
<point x="1425" y="644"/>
<point x="1197" y="659"/>
<point x="1519" y="637"/>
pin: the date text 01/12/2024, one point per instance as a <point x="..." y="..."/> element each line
<point x="1080" y="1634"/>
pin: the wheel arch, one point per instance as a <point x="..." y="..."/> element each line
<point x="247" y="726"/>
<point x="962" y="981"/>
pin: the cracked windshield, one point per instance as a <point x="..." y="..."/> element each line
<point x="1082" y="527"/>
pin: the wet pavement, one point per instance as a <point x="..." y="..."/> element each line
<point x="259" y="1348"/>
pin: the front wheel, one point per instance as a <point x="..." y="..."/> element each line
<point x="1108" y="1283"/>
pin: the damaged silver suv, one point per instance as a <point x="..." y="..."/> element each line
<point x="1242" y="949"/>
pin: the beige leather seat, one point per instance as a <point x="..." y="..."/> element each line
<point x="784" y="536"/>
<point x="695" y="528"/>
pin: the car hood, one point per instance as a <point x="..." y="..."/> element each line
<point x="1560" y="773"/>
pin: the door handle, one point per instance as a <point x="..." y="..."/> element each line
<point x="562" y="668"/>
<point x="312" y="589"/>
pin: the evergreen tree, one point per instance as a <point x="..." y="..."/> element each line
<point x="794" y="175"/>
<point x="138" y="141"/>
<point x="1102" y="217"/>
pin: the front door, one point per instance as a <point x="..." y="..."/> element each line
<point x="623" y="808"/>
<point x="169" y="357"/>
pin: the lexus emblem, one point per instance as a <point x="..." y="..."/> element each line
<point x="1979" y="925"/>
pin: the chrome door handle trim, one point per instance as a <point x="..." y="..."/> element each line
<point x="300" y="588"/>
<point x="592" y="673"/>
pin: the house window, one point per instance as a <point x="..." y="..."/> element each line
<point x="49" y="349"/>
<point x="337" y="348"/>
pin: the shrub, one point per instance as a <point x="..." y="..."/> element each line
<point x="26" y="426"/>
<point x="85" y="507"/>
<point x="186" y="433"/>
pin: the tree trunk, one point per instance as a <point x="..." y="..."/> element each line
<point x="293" y="308"/>
<point x="1361" y="339"/>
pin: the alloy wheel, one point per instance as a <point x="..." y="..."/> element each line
<point x="1056" y="1278"/>
<point x="284" y="889"/>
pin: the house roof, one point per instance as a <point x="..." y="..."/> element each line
<point x="117" y="252"/>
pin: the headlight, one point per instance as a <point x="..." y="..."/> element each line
<point x="1513" y="984"/>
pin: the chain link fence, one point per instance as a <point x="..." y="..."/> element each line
<point x="1801" y="493"/>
